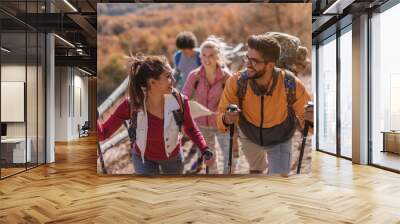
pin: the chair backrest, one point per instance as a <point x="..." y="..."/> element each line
<point x="86" y="125"/>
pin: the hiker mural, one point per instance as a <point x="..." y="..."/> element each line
<point x="187" y="89"/>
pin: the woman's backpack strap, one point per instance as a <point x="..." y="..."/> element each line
<point x="179" y="114"/>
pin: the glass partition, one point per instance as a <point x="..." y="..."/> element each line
<point x="14" y="153"/>
<point x="327" y="95"/>
<point x="41" y="86"/>
<point x="22" y="88"/>
<point x="385" y="89"/>
<point x="346" y="93"/>
<point x="31" y="97"/>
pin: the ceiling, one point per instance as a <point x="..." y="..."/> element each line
<point x="331" y="15"/>
<point x="74" y="22"/>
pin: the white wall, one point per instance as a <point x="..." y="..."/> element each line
<point x="70" y="83"/>
<point x="50" y="97"/>
<point x="79" y="112"/>
<point x="61" y="103"/>
<point x="13" y="73"/>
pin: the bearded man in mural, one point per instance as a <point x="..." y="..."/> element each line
<point x="271" y="103"/>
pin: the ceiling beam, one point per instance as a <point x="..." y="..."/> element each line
<point x="321" y="22"/>
<point x="78" y="61"/>
<point x="337" y="7"/>
<point x="84" y="24"/>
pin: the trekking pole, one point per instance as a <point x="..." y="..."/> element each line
<point x="103" y="166"/>
<point x="307" y="125"/>
<point x="231" y="132"/>
<point x="231" y="108"/>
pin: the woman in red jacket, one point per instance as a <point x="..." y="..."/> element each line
<point x="152" y="109"/>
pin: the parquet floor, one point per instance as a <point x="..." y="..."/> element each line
<point x="71" y="191"/>
<point x="9" y="171"/>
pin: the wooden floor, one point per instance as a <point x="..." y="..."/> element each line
<point x="10" y="171"/>
<point x="70" y="191"/>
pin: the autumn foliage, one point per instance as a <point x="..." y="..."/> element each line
<point x="152" y="28"/>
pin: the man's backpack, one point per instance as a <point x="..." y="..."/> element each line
<point x="292" y="52"/>
<point x="178" y="116"/>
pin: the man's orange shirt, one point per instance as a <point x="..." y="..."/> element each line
<point x="275" y="106"/>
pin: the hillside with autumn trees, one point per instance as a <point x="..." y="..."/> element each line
<point x="125" y="29"/>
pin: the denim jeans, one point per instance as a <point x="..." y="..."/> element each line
<point x="172" y="166"/>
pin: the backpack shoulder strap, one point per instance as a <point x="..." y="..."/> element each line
<point x="290" y="86"/>
<point x="196" y="84"/>
<point x="180" y="114"/>
<point x="241" y="87"/>
<point x="179" y="98"/>
<point x="132" y="128"/>
<point x="198" y="59"/>
<point x="177" y="58"/>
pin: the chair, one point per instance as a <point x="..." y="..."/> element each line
<point x="84" y="130"/>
